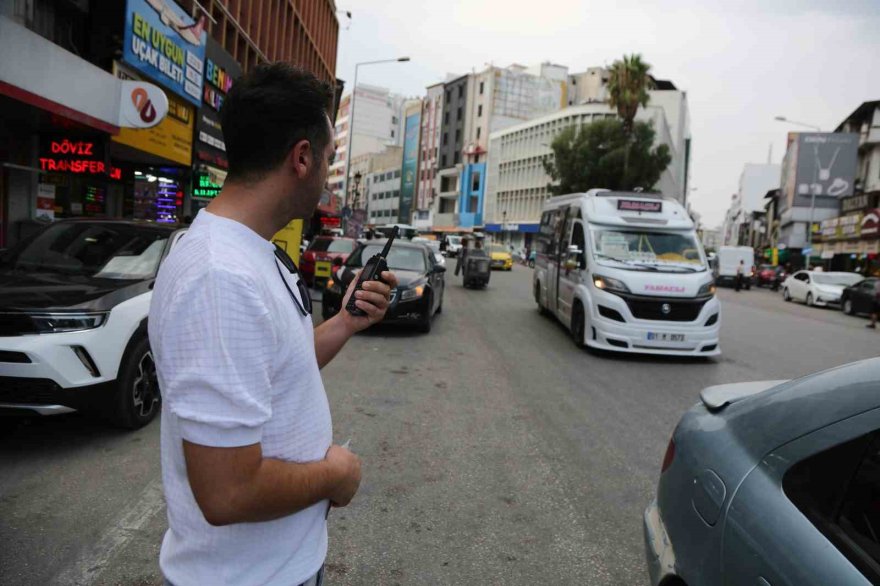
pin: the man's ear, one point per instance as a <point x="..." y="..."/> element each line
<point x="302" y="158"/>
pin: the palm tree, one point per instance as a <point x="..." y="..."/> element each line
<point x="628" y="84"/>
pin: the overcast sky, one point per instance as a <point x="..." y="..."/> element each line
<point x="741" y="62"/>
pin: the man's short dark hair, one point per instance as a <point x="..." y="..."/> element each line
<point x="267" y="112"/>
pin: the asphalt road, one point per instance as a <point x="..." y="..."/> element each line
<point x="495" y="452"/>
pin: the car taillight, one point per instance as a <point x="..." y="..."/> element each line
<point x="668" y="457"/>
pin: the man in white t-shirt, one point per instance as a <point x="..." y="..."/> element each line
<point x="248" y="464"/>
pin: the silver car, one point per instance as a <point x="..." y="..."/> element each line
<point x="773" y="483"/>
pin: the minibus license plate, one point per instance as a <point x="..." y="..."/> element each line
<point x="658" y="337"/>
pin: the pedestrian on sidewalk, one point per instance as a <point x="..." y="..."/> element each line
<point x="248" y="465"/>
<point x="740" y="274"/>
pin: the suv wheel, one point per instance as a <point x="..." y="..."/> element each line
<point x="848" y="306"/>
<point x="138" y="398"/>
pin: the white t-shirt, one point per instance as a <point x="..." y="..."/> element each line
<point x="237" y="366"/>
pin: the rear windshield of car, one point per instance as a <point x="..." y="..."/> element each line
<point x="497" y="248"/>
<point x="100" y="250"/>
<point x="399" y="258"/>
<point x="332" y="245"/>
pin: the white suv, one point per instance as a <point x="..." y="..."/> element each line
<point x="74" y="301"/>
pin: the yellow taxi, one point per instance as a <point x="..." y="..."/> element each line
<point x="501" y="257"/>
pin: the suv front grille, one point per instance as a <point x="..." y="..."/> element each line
<point x="652" y="308"/>
<point x="28" y="390"/>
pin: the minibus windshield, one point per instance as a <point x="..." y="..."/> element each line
<point x="649" y="250"/>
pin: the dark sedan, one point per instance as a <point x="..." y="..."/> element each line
<point x="861" y="297"/>
<point x="421" y="282"/>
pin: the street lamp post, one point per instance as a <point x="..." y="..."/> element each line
<point x="809" y="246"/>
<point x="351" y="116"/>
<point x="805" y="125"/>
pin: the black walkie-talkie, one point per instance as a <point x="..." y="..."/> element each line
<point x="372" y="272"/>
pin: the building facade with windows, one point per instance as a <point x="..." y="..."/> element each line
<point x="754" y="183"/>
<point x="482" y="103"/>
<point x="429" y="156"/>
<point x="383" y="185"/>
<point x="378" y="123"/>
<point x="518" y="185"/>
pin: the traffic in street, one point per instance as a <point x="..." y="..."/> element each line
<point x="491" y="446"/>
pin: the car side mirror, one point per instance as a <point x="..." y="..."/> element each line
<point x="439" y="269"/>
<point x="337" y="262"/>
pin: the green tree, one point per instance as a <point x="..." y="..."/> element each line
<point x="594" y="156"/>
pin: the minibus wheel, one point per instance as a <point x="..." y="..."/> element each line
<point x="577" y="324"/>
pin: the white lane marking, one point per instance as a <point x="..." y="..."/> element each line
<point x="96" y="558"/>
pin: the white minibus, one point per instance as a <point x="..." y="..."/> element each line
<point x="626" y="272"/>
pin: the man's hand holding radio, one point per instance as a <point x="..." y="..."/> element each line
<point x="373" y="299"/>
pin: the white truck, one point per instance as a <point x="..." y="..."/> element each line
<point x="728" y="260"/>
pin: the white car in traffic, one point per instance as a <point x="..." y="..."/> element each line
<point x="818" y="288"/>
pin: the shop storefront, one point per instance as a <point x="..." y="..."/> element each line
<point x="159" y="159"/>
<point x="210" y="164"/>
<point x="851" y="242"/>
<point x="78" y="178"/>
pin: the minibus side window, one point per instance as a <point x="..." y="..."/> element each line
<point x="560" y="235"/>
<point x="578" y="240"/>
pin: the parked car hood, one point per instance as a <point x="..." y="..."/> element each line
<point x="43" y="291"/>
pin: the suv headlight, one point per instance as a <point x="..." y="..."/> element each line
<point x="707" y="289"/>
<point x="609" y="284"/>
<point x="55" y="323"/>
<point x="412" y="293"/>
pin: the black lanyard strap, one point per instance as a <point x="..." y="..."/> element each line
<point x="305" y="308"/>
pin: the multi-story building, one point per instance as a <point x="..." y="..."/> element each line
<point x="518" y="185"/>
<point x="479" y="104"/>
<point x="378" y="124"/>
<point x="865" y="121"/>
<point x="851" y="239"/>
<point x="754" y="183"/>
<point x="429" y="149"/>
<point x="383" y="183"/>
<point x="588" y="87"/>
<point x="64" y="86"/>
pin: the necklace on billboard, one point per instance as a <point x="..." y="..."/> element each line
<point x="825" y="172"/>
